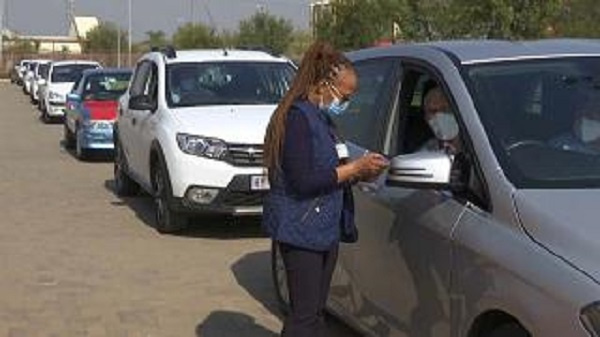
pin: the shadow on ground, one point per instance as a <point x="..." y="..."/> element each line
<point x="231" y="324"/>
<point x="95" y="156"/>
<point x="206" y="226"/>
<point x="253" y="273"/>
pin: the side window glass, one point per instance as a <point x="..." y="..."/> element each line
<point x="140" y="79"/>
<point x="428" y="120"/>
<point x="151" y="87"/>
<point x="364" y="121"/>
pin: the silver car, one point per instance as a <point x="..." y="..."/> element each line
<point x="500" y="238"/>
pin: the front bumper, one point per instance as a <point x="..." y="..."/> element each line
<point x="236" y="199"/>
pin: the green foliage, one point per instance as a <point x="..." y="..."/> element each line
<point x="156" y="38"/>
<point x="300" y="42"/>
<point x="104" y="37"/>
<point x="265" y="30"/>
<point x="579" y="18"/>
<point x="195" y="35"/>
<point x="351" y="24"/>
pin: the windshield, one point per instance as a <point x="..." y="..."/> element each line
<point x="106" y="87"/>
<point x="224" y="83"/>
<point x="43" y="70"/>
<point x="69" y="73"/>
<point x="543" y="119"/>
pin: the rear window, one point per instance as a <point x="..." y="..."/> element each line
<point x="69" y="73"/>
<point x="106" y="87"/>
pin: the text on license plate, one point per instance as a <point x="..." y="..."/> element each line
<point x="259" y="183"/>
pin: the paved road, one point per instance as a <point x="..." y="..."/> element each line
<point x="78" y="261"/>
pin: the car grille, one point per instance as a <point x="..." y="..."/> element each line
<point x="236" y="199"/>
<point x="245" y="155"/>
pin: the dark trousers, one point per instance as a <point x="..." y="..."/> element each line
<point x="309" y="277"/>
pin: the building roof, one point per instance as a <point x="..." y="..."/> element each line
<point x="84" y="25"/>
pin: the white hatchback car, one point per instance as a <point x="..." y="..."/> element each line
<point x="61" y="77"/>
<point x="190" y="131"/>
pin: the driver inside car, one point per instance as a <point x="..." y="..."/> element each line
<point x="584" y="136"/>
<point x="441" y="120"/>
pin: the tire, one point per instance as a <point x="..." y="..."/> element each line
<point x="167" y="220"/>
<point x="80" y="152"/>
<point x="68" y="137"/>
<point x="511" y="329"/>
<point x="279" y="278"/>
<point x="124" y="185"/>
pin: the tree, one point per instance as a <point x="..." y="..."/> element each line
<point x="195" y="35"/>
<point x="504" y="19"/>
<point x="266" y="31"/>
<point x="104" y="38"/>
<point x="351" y="24"/>
<point x="156" y="38"/>
<point x="579" y="18"/>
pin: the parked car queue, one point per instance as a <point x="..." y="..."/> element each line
<point x="496" y="239"/>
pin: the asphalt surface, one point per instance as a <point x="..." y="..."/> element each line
<point x="76" y="260"/>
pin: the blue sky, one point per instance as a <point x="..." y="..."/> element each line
<point x="47" y="17"/>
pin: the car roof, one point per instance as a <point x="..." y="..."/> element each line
<point x="108" y="71"/>
<point x="69" y="62"/>
<point x="488" y="51"/>
<point x="221" y="55"/>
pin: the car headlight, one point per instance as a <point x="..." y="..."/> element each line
<point x="202" y="146"/>
<point x="590" y="317"/>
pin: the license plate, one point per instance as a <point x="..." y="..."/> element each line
<point x="259" y="183"/>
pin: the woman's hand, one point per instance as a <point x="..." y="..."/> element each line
<point x="367" y="167"/>
<point x="370" y="166"/>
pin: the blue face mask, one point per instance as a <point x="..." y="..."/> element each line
<point x="337" y="108"/>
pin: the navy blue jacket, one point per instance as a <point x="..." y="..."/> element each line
<point x="305" y="203"/>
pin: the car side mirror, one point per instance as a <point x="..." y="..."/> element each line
<point x="425" y="170"/>
<point x="141" y="102"/>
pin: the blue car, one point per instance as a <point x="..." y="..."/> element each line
<point x="91" y="110"/>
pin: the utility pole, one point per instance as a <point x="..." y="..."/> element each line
<point x="2" y="7"/>
<point x="129" y="32"/>
<point x="192" y="14"/>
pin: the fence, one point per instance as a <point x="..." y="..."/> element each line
<point x="9" y="59"/>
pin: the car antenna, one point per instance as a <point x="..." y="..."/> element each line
<point x="214" y="26"/>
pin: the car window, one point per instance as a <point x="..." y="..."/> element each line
<point x="227" y="83"/>
<point x="105" y="87"/>
<point x="365" y="119"/>
<point x="140" y="78"/>
<point x="43" y="70"/>
<point x="75" y="88"/>
<point x="69" y="73"/>
<point x="542" y="118"/>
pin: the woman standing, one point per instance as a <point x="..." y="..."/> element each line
<point x="308" y="170"/>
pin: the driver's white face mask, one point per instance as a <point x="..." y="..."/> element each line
<point x="589" y="129"/>
<point x="444" y="126"/>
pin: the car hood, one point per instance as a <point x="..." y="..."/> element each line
<point x="242" y="124"/>
<point x="61" y="88"/>
<point x="567" y="222"/>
